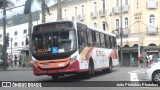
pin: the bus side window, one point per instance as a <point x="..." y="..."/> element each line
<point x="97" y="39"/>
<point x="93" y="38"/>
<point x="107" y="41"/>
<point x="89" y="37"/>
<point x="102" y="40"/>
<point x="81" y="38"/>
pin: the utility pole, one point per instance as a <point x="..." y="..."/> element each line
<point x="59" y="10"/>
<point x="4" y="36"/>
<point x="121" y="36"/>
<point x="11" y="54"/>
<point x="29" y="33"/>
<point x="43" y="11"/>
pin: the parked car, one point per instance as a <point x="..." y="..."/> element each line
<point x="153" y="73"/>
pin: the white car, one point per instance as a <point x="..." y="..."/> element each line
<point x="153" y="72"/>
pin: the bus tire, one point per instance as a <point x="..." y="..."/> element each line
<point x="90" y="71"/>
<point x="110" y="66"/>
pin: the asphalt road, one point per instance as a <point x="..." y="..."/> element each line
<point x="118" y="74"/>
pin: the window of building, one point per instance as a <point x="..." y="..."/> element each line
<point x="152" y="20"/>
<point x="104" y="25"/>
<point x="103" y="4"/>
<point x="95" y="24"/>
<point x="15" y="44"/>
<point x="117" y="23"/>
<point x="82" y="9"/>
<point x="75" y="11"/>
<point x="117" y="3"/>
<point x="65" y="13"/>
<point x="15" y="33"/>
<point x="126" y="22"/>
<point x="22" y="43"/>
<point x="126" y="2"/>
<point x="24" y="31"/>
<point x="95" y="6"/>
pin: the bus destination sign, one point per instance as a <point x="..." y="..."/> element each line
<point x="54" y="26"/>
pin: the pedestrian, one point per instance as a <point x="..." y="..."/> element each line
<point x="20" y="61"/>
<point x="140" y="59"/>
<point x="132" y="62"/>
<point x="15" y="61"/>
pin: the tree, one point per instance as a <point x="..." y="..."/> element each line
<point x="43" y="7"/>
<point x="9" y="3"/>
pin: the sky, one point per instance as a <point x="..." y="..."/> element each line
<point x="20" y="10"/>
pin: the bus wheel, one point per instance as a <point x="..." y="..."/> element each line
<point x="54" y="77"/>
<point x="110" y="66"/>
<point x="90" y="71"/>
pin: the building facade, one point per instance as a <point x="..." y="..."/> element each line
<point x="140" y="22"/>
<point x="17" y="39"/>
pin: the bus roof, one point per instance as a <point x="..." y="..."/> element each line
<point x="89" y="26"/>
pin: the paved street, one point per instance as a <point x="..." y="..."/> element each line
<point x="118" y="74"/>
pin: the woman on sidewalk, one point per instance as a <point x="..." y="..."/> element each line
<point x="140" y="59"/>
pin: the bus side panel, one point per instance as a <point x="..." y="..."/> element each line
<point x="85" y="56"/>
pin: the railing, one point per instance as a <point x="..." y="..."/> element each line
<point x="126" y="31"/>
<point x="94" y="14"/>
<point x="152" y="4"/>
<point x="74" y="18"/>
<point x="126" y="8"/>
<point x="116" y="10"/>
<point x="116" y="32"/>
<point x="81" y="17"/>
<point x="102" y="13"/>
<point x="152" y="30"/>
<point x="65" y="18"/>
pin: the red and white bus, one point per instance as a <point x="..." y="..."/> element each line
<point x="67" y="47"/>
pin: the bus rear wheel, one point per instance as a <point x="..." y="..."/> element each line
<point x="90" y="71"/>
<point x="110" y="66"/>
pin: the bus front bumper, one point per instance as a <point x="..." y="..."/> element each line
<point x="72" y="68"/>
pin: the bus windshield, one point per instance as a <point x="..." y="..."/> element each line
<point x="54" y="42"/>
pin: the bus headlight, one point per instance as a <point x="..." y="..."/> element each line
<point x="73" y="58"/>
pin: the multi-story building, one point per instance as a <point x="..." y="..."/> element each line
<point x="140" y="22"/>
<point x="17" y="39"/>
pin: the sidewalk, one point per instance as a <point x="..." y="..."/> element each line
<point x="17" y="69"/>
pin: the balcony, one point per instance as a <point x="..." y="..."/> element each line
<point x="126" y="8"/>
<point x="81" y="17"/>
<point x="153" y="30"/>
<point x="94" y="14"/>
<point x="116" y="32"/>
<point x="116" y="10"/>
<point x="102" y="13"/>
<point x="152" y="4"/>
<point x="74" y="18"/>
<point x="65" y="18"/>
<point x="126" y="31"/>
